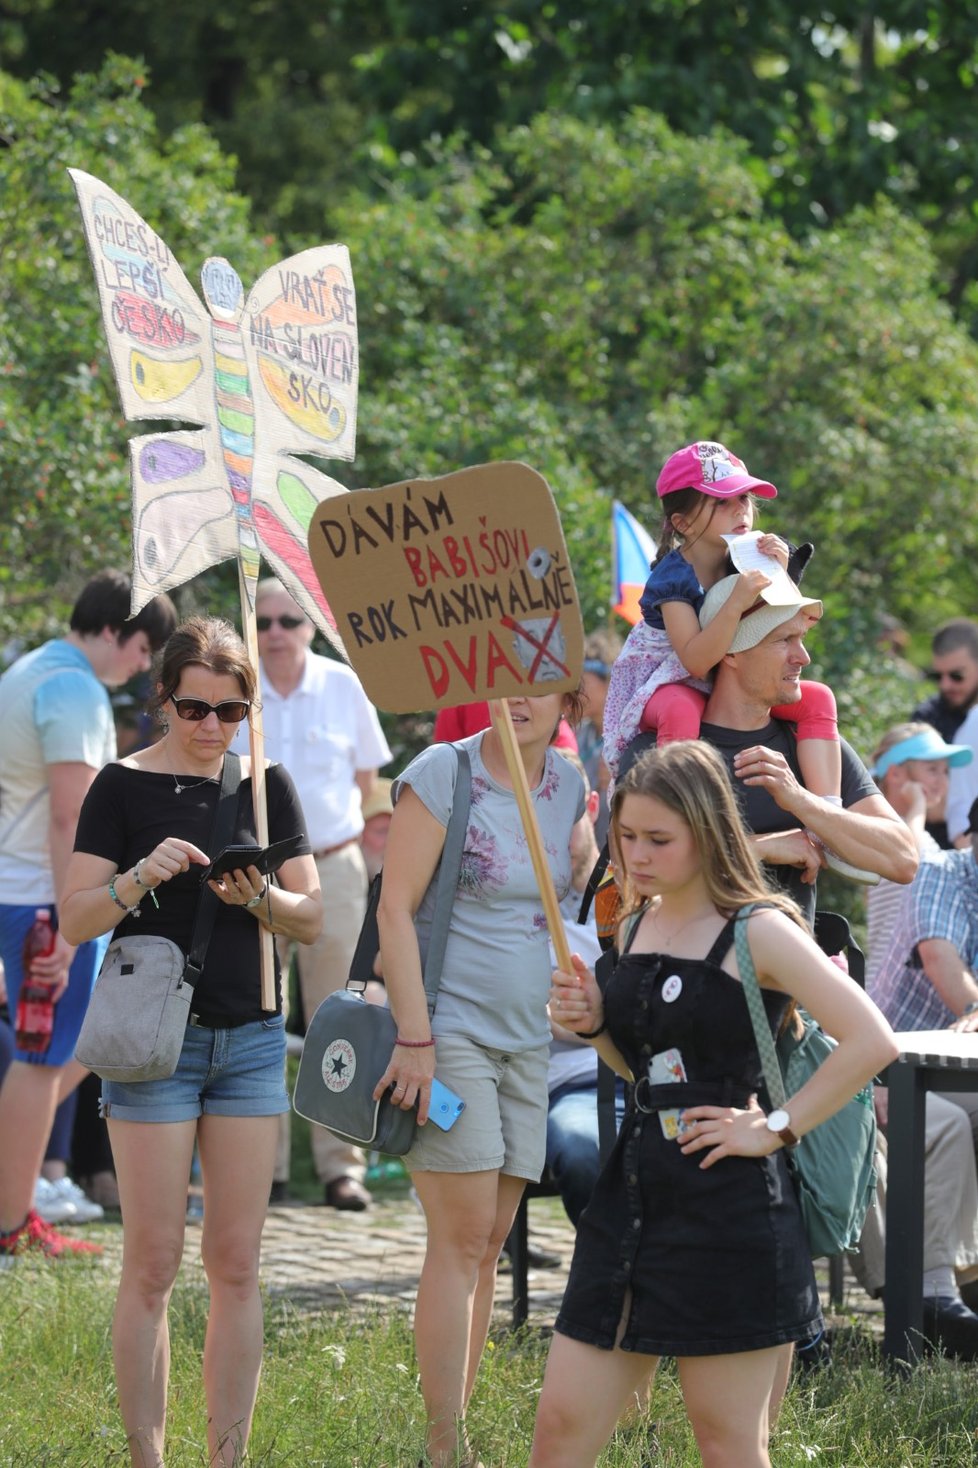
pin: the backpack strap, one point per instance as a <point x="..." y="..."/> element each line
<point x="593" y="883"/>
<point x="763" y="1038"/>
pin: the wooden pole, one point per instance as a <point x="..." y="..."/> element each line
<point x="503" y="725"/>
<point x="257" y="737"/>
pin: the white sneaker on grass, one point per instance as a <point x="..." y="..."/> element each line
<point x="64" y="1202"/>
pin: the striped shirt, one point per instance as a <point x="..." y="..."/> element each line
<point x="884" y="904"/>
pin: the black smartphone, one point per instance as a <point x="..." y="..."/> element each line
<point x="266" y="858"/>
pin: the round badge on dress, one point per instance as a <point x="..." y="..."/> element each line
<point x="672" y="988"/>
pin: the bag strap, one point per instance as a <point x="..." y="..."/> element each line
<point x="763" y="1038"/>
<point x="631" y="927"/>
<point x="222" y="830"/>
<point x="448" y="875"/>
<point x="593" y="883"/>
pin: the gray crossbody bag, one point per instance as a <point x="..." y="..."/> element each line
<point x="137" y="1016"/>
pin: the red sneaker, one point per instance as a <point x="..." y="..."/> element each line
<point x="36" y="1236"/>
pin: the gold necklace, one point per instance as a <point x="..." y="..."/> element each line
<point x="671" y="937"/>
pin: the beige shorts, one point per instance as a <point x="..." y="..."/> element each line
<point x="504" y="1125"/>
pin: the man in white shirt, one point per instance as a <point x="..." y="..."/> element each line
<point x="320" y="725"/>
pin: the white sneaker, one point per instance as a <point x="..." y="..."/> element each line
<point x="49" y="1205"/>
<point x="64" y="1202"/>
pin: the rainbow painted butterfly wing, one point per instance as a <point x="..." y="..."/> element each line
<point x="261" y="382"/>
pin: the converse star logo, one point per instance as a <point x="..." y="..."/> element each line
<point x="339" y="1066"/>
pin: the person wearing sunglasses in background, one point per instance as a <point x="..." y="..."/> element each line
<point x="954" y="667"/>
<point x="56" y="732"/>
<point x="953" y="711"/>
<point x="320" y="724"/>
<point x="141" y="846"/>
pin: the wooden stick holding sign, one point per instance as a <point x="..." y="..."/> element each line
<point x="261" y="379"/>
<point x="256" y="739"/>
<point x="503" y="724"/>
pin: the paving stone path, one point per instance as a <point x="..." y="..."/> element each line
<point x="319" y="1258"/>
<point x="316" y="1259"/>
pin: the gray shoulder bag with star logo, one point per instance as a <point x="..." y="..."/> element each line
<point x="349" y="1042"/>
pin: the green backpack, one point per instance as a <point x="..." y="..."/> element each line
<point x="833" y="1166"/>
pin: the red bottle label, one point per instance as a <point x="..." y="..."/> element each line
<point x="35" y="1018"/>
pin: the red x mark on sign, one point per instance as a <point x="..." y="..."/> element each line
<point x="541" y="645"/>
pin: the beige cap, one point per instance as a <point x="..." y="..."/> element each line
<point x="760" y="619"/>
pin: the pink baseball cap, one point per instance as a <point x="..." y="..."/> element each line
<point x="712" y="469"/>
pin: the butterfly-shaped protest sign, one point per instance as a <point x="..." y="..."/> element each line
<point x="263" y="376"/>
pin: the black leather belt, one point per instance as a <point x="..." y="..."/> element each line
<point x="205" y="1021"/>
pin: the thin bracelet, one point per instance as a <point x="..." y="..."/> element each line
<point x="592" y="1034"/>
<point x="145" y="885"/>
<point x="414" y="1044"/>
<point x="132" y="911"/>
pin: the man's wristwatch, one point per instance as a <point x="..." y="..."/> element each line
<point x="254" y="901"/>
<point x="779" y="1122"/>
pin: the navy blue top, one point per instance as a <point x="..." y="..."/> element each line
<point x="672" y="579"/>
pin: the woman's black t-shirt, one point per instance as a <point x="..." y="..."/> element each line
<point x="128" y="812"/>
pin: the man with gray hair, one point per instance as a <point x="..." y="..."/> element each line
<point x="320" y="724"/>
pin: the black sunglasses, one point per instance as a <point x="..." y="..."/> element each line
<point x="289" y="623"/>
<point x="229" y="710"/>
<point x="954" y="676"/>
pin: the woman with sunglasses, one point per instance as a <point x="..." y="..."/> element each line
<point x="141" y="845"/>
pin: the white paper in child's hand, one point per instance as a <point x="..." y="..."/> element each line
<point x="746" y="557"/>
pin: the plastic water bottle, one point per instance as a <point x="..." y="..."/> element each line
<point x="35" y="1006"/>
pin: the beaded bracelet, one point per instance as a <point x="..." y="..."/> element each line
<point x="414" y="1044"/>
<point x="592" y="1034"/>
<point x="132" y="911"/>
<point x="145" y="885"/>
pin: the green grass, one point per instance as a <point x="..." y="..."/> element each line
<point x="340" y="1391"/>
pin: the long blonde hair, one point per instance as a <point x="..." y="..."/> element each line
<point x="690" y="778"/>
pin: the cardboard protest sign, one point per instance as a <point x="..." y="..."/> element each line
<point x="263" y="380"/>
<point x="451" y="590"/>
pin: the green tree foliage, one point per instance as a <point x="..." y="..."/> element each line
<point x="64" y="471"/>
<point x="581" y="296"/>
<point x="590" y="298"/>
<point x="837" y="102"/>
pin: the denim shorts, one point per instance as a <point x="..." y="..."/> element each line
<point x="238" y="1072"/>
<point x="69" y="1011"/>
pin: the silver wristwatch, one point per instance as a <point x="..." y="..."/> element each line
<point x="779" y="1122"/>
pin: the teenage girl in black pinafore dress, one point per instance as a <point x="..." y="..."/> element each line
<point x="693" y="1245"/>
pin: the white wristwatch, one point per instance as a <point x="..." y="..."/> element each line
<point x="779" y="1122"/>
<point x="254" y="901"/>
